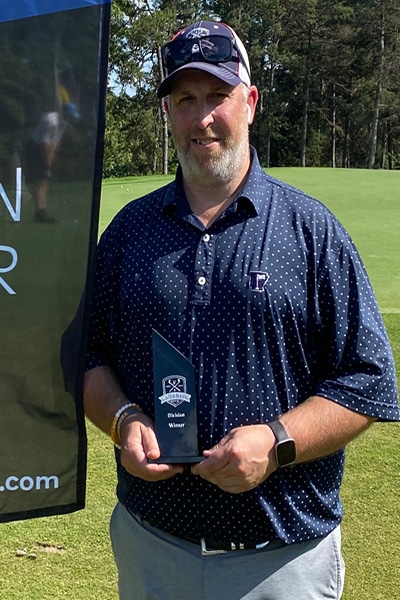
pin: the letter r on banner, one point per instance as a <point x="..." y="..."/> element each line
<point x="14" y="261"/>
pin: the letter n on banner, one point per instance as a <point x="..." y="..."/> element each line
<point x="53" y="79"/>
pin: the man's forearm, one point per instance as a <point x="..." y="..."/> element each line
<point x="321" y="427"/>
<point x="102" y="397"/>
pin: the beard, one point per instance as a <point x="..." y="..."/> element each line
<point x="219" y="167"/>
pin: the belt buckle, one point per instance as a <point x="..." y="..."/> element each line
<point x="206" y="552"/>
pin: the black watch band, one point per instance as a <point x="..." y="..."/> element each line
<point x="285" y="447"/>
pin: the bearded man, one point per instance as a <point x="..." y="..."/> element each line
<point x="261" y="289"/>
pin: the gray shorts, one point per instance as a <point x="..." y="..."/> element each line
<point x="153" y="565"/>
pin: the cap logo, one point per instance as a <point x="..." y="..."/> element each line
<point x="198" y="32"/>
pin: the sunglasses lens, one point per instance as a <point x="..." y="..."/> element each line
<point x="177" y="53"/>
<point x="216" y="48"/>
<point x="212" y="48"/>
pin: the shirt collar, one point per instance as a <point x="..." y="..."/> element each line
<point x="175" y="201"/>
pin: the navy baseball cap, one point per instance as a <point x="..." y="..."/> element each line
<point x="208" y="46"/>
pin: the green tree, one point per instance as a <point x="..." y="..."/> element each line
<point x="327" y="72"/>
<point x="138" y="30"/>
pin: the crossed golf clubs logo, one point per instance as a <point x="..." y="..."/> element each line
<point x="174" y="390"/>
<point x="175" y="385"/>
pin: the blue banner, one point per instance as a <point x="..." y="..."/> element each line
<point x="11" y="10"/>
<point x="52" y="112"/>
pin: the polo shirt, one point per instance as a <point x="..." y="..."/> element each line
<point x="271" y="304"/>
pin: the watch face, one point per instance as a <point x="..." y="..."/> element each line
<point x="285" y="452"/>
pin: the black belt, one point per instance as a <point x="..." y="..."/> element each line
<point x="209" y="546"/>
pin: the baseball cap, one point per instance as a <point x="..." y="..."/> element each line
<point x="208" y="46"/>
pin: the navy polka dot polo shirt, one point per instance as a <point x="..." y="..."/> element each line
<point x="271" y="304"/>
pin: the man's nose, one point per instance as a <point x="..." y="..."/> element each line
<point x="204" y="115"/>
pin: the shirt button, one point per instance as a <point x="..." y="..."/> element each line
<point x="206" y="237"/>
<point x="201" y="280"/>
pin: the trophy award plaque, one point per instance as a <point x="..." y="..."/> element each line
<point x="175" y="404"/>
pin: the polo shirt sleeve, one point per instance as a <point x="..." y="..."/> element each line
<point x="103" y="323"/>
<point x="353" y="357"/>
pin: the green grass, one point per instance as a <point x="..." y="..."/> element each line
<point x="368" y="204"/>
<point x="73" y="555"/>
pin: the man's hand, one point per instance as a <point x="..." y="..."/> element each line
<point x="103" y="396"/>
<point x="243" y="459"/>
<point x="138" y="445"/>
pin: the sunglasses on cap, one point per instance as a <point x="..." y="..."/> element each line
<point x="211" y="48"/>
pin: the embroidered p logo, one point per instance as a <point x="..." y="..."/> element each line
<point x="258" y="280"/>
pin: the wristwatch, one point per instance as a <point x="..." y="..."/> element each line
<point x="285" y="447"/>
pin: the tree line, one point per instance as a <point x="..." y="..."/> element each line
<point x="328" y="73"/>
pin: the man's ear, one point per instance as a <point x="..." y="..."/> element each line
<point x="252" y="103"/>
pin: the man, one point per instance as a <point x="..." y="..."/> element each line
<point x="260" y="287"/>
<point x="40" y="155"/>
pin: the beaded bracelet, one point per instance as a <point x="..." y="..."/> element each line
<point x="129" y="411"/>
<point x="119" y="416"/>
